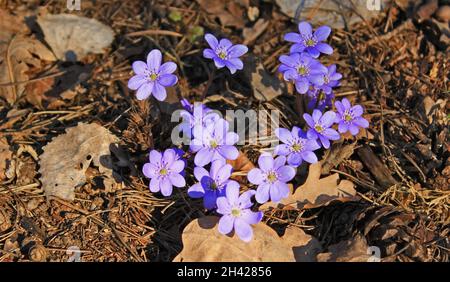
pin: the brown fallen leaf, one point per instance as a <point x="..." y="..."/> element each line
<point x="229" y="12"/>
<point x="67" y="157"/>
<point x="203" y="243"/>
<point x="5" y="157"/>
<point x="252" y="33"/>
<point x="352" y="250"/>
<point x="21" y="53"/>
<point x="336" y="155"/>
<point x="265" y="86"/>
<point x="73" y="37"/>
<point x="316" y="191"/>
<point x="241" y="166"/>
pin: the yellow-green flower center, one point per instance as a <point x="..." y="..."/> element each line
<point x="310" y="42"/>
<point x="302" y="70"/>
<point x="163" y="171"/>
<point x="153" y="76"/>
<point x="347" y="117"/>
<point x="236" y="212"/>
<point x="271" y="177"/>
<point x="318" y="128"/>
<point x="213" y="186"/>
<point x="222" y="55"/>
<point x="296" y="147"/>
<point x="213" y="144"/>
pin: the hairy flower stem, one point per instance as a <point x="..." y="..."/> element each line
<point x="212" y="75"/>
<point x="299" y="104"/>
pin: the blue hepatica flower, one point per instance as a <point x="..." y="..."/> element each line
<point x="212" y="142"/>
<point x="151" y="77"/>
<point x="196" y="115"/>
<point x="349" y="118"/>
<point x="297" y="147"/>
<point x="307" y="41"/>
<point x="212" y="184"/>
<point x="236" y="213"/>
<point x="224" y="53"/>
<point x="320" y="127"/>
<point x="329" y="80"/>
<point x="318" y="99"/>
<point x="271" y="178"/>
<point x="302" y="69"/>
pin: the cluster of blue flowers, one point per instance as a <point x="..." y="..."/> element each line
<point x="212" y="144"/>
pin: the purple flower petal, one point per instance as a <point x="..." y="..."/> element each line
<point x="305" y="29"/>
<point x="265" y="163"/>
<point x="346" y="103"/>
<point x="251" y="217"/>
<point x="166" y="187"/>
<point x="279" y="162"/>
<point x="235" y="63"/>
<point x="168" y="80"/>
<point x="155" y="157"/>
<point x="294" y="159"/>
<point x="136" y="81"/>
<point x="154" y="59"/>
<point x="322" y="33"/>
<point x="292" y="37"/>
<point x="223" y="206"/>
<point x="243" y="230"/>
<point x="297" y="48"/>
<point x="196" y="191"/>
<point x="343" y="127"/>
<point x="200" y="172"/>
<point x="309" y="157"/>
<point x="313" y="51"/>
<point x="232" y="193"/>
<point x="177" y="166"/>
<point x="286" y="173"/>
<point x="159" y="92"/>
<point x="357" y="110"/>
<point x="339" y="107"/>
<point x="309" y="120"/>
<point x="331" y="134"/>
<point x="302" y="86"/>
<point x="203" y="157"/>
<point x="145" y="91"/>
<point x="209" y="53"/>
<point x="139" y="67"/>
<point x="209" y="200"/>
<point x="229" y="152"/>
<point x="354" y="130"/>
<point x="226" y="224"/>
<point x="282" y="150"/>
<point x="316" y="115"/>
<point x="167" y="68"/>
<point x="324" y="48"/>
<point x="325" y="142"/>
<point x="255" y="176"/>
<point x="149" y="170"/>
<point x="219" y="62"/>
<point x="328" y="119"/>
<point x="262" y="193"/>
<point x="312" y="134"/>
<point x="275" y="193"/>
<point x="212" y="40"/>
<point x="283" y="134"/>
<point x="237" y="50"/>
<point x="361" y="122"/>
<point x="154" y="185"/>
<point x="225" y="43"/>
<point x="177" y="180"/>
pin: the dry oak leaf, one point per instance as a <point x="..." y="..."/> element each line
<point x="203" y="243"/>
<point x="5" y="157"/>
<point x="67" y="157"/>
<point x="317" y="192"/>
<point x="73" y="37"/>
<point x="229" y="12"/>
<point x="21" y="53"/>
<point x="352" y="250"/>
